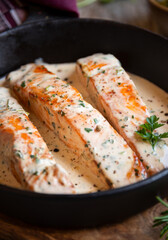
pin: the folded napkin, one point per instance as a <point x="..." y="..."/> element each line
<point x="13" y="13"/>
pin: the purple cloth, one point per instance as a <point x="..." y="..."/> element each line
<point x="13" y="13"/>
<point x="10" y="15"/>
<point x="65" y="5"/>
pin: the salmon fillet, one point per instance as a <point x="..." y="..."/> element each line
<point x="25" y="152"/>
<point x="116" y="97"/>
<point x="78" y="125"/>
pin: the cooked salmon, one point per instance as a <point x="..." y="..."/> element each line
<point x="81" y="127"/>
<point x="25" y="152"/>
<point x="117" y="98"/>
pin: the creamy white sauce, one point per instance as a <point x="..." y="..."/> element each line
<point x="154" y="97"/>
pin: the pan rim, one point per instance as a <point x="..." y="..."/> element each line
<point x="85" y="20"/>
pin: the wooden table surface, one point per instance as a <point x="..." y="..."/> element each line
<point x="139" y="227"/>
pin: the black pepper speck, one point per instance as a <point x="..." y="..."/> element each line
<point x="56" y="150"/>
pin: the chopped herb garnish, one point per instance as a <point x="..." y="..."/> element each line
<point x="48" y="87"/>
<point x="29" y="80"/>
<point x="37" y="160"/>
<point x="81" y="103"/>
<point x="88" y="129"/>
<point x="98" y="165"/>
<point x="147" y="131"/>
<point x="108" y="141"/>
<point x="18" y="154"/>
<point x="118" y="71"/>
<point x="136" y="172"/>
<point x="122" y="152"/>
<point x="103" y="71"/>
<point x="119" y="83"/>
<point x="27" y="113"/>
<point x="32" y="156"/>
<point x="133" y="116"/>
<point x="96" y="120"/>
<point x="23" y="84"/>
<point x="7" y="104"/>
<point x="62" y="113"/>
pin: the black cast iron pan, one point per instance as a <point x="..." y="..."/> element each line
<point x="140" y="52"/>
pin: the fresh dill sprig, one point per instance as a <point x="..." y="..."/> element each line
<point x="147" y="133"/>
<point x="163" y="219"/>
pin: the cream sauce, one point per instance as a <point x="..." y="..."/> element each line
<point x="154" y="97"/>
